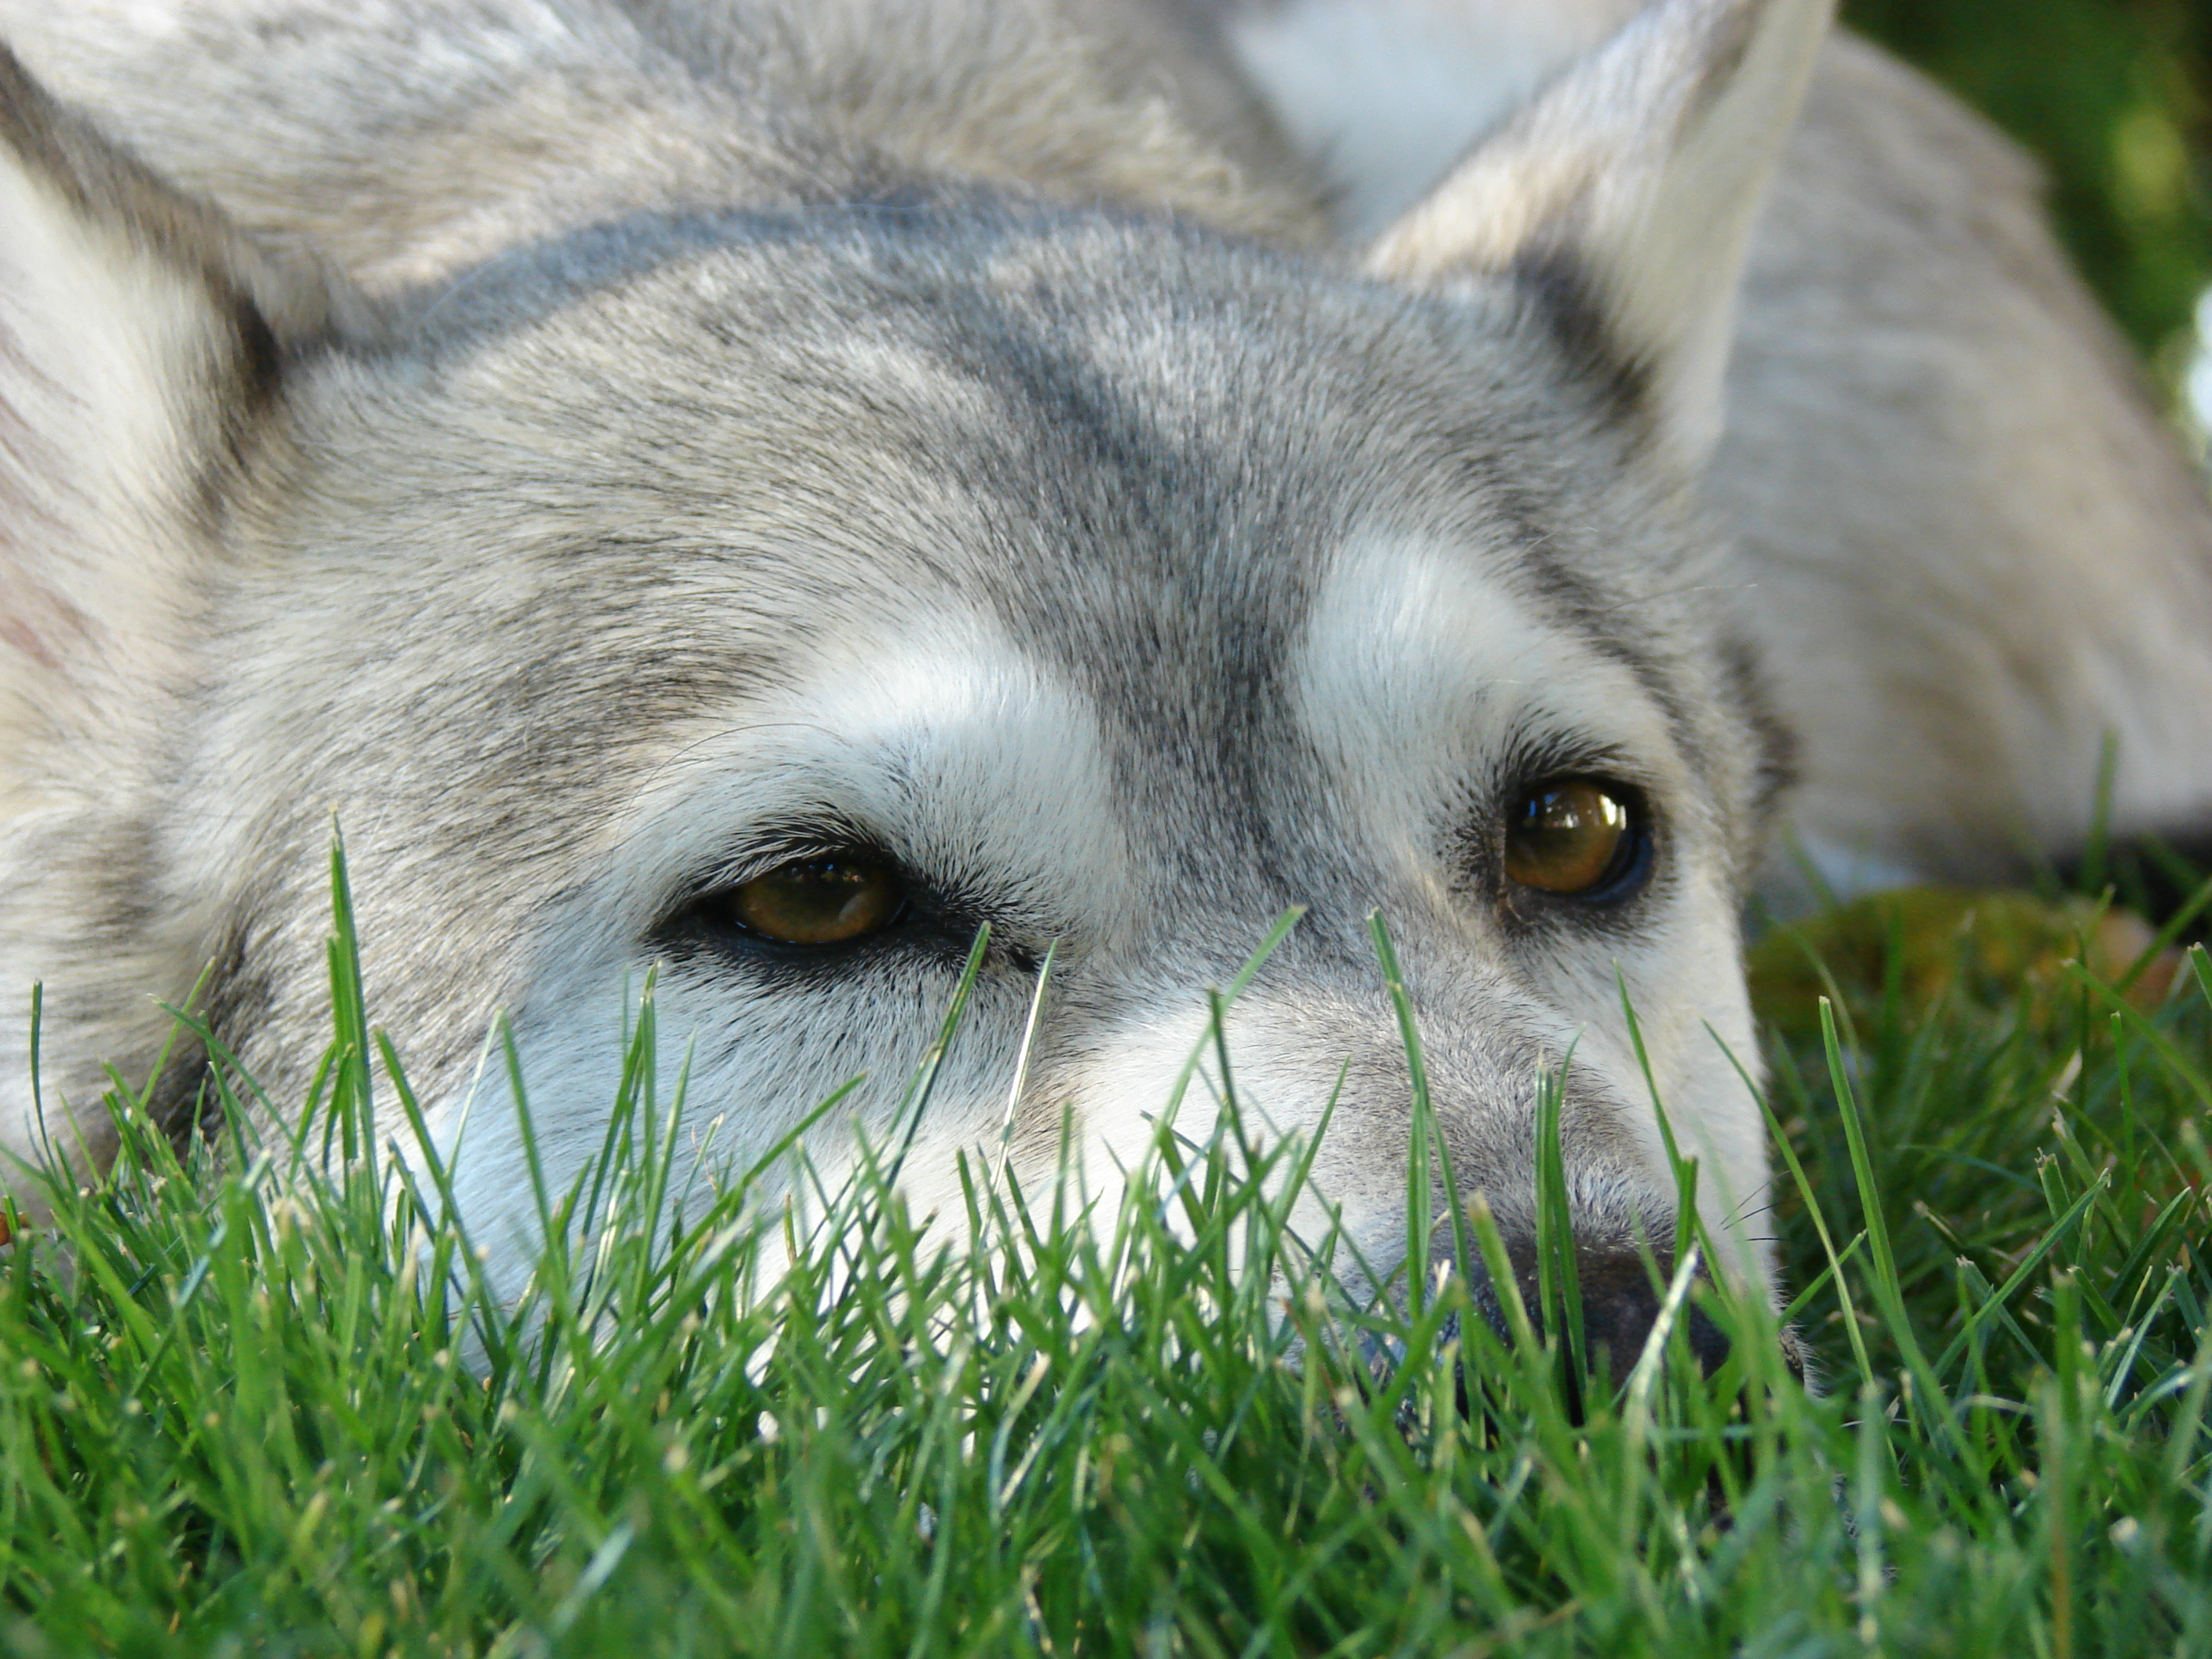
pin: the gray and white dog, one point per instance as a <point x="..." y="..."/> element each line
<point x="752" y="490"/>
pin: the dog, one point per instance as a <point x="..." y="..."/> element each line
<point x="745" y="493"/>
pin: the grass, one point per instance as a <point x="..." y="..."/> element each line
<point x="244" y="1411"/>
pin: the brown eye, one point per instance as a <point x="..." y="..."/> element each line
<point x="822" y="901"/>
<point x="1574" y="836"/>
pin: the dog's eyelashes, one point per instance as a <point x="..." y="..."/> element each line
<point x="1577" y="837"/>
<point x="837" y="898"/>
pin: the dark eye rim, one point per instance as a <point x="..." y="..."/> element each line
<point x="1633" y="864"/>
<point x="929" y="920"/>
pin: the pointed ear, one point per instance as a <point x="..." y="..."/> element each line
<point x="140" y="341"/>
<point x="1622" y="197"/>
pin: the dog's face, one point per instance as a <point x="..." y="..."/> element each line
<point x="969" y="585"/>
<point x="762" y="605"/>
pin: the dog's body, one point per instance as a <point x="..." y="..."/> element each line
<point x="981" y="438"/>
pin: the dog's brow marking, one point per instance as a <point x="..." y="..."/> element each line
<point x="1408" y="648"/>
<point x="1554" y="585"/>
<point x="708" y="745"/>
<point x="945" y="741"/>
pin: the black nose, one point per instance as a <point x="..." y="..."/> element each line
<point x="1620" y="1304"/>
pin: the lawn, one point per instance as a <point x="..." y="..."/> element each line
<point x="244" y="1412"/>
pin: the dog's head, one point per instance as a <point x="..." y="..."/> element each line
<point x="764" y="602"/>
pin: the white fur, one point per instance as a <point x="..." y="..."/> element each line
<point x="1419" y="669"/>
<point x="954" y="749"/>
<point x="1418" y="673"/>
<point x="107" y="331"/>
<point x="97" y="335"/>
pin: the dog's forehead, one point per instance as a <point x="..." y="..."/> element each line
<point x="1139" y="462"/>
<point x="1124" y="440"/>
<point x="1167" y="404"/>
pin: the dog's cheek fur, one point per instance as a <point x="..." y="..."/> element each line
<point x="921" y="725"/>
<point x="142" y="351"/>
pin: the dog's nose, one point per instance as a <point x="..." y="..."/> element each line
<point x="1620" y="1306"/>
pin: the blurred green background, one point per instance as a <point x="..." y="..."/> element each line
<point x="2115" y="97"/>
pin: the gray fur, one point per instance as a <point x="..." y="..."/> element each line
<point x="585" y="445"/>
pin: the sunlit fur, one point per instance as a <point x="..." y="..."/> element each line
<point x="587" y="452"/>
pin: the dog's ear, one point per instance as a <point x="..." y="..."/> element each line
<point x="1621" y="198"/>
<point x="142" y="342"/>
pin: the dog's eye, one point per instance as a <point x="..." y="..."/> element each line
<point x="1577" y="837"/>
<point x="832" y="900"/>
